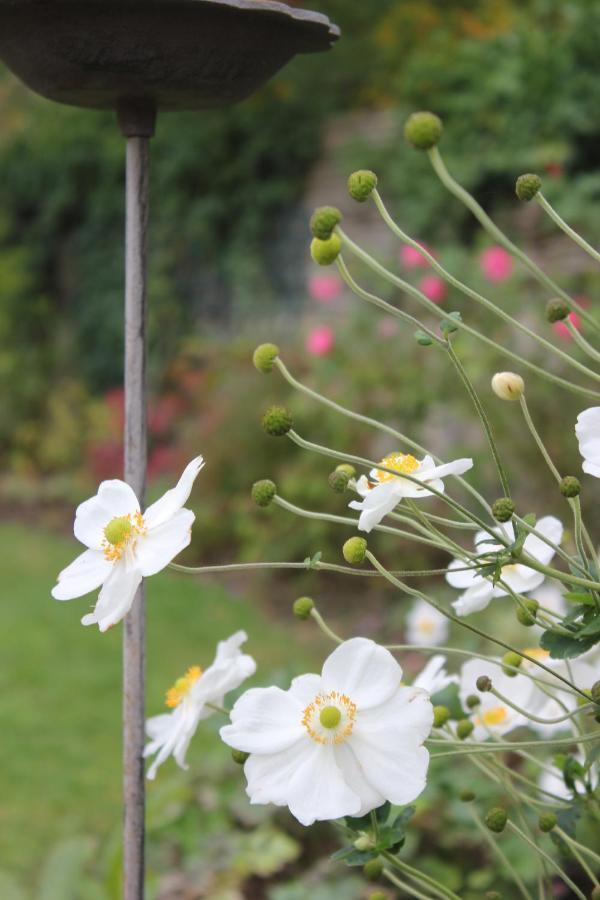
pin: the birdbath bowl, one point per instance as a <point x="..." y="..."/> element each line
<point x="170" y="54"/>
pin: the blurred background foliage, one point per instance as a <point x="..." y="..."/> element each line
<point x="516" y="82"/>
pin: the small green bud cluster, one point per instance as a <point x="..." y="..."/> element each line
<point x="496" y="819"/>
<point x="441" y="714"/>
<point x="570" y="486"/>
<point x="511" y="662"/>
<point x="484" y="684"/>
<point x="464" y="728"/>
<point x="503" y="509"/>
<point x="423" y="130"/>
<point x="547" y="822"/>
<point x="277" y="421"/>
<point x="239" y="757"/>
<point x="323" y="221"/>
<point x="354" y="550"/>
<point x="339" y="478"/>
<point x="361" y="184"/>
<point x="557" y="310"/>
<point x="526" y="613"/>
<point x="373" y="869"/>
<point x="327" y="251"/>
<point x="527" y="186"/>
<point x="264" y="357"/>
<point x="263" y="492"/>
<point x="303" y="607"/>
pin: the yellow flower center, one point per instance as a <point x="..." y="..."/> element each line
<point x="120" y="533"/>
<point x="182" y="687"/>
<point x="402" y="463"/>
<point x="495" y="715"/>
<point x="329" y="719"/>
<point x="427" y="626"/>
<point x="536" y="653"/>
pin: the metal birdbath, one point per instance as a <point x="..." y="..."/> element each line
<point x="141" y="57"/>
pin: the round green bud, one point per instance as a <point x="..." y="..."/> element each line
<point x="511" y="662"/>
<point x="363" y="842"/>
<point x="595" y="692"/>
<point x="423" y="130"/>
<point x="239" y="757"/>
<point x="422" y="338"/>
<point x="557" y="310"/>
<point x="496" y="819"/>
<point x="264" y="357"/>
<point x="527" y="186"/>
<point x="547" y="822"/>
<point x="472" y="701"/>
<point x="466" y="796"/>
<point x="484" y="684"/>
<point x="361" y="184"/>
<point x="449" y="326"/>
<point x="464" y="727"/>
<point x="326" y="252"/>
<point x="277" y="421"/>
<point x="347" y="468"/>
<point x="508" y="385"/>
<point x="354" y="550"/>
<point x="263" y="492"/>
<point x="503" y="509"/>
<point x="441" y="714"/>
<point x="373" y="869"/>
<point x="323" y="221"/>
<point x="338" y="481"/>
<point x="570" y="486"/>
<point x="526" y="614"/>
<point x="303" y="607"/>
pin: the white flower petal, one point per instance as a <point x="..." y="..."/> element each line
<point x="356" y="777"/>
<point x="305" y="688"/>
<point x="463" y="579"/>
<point x="114" y="499"/>
<point x="268" y="775"/>
<point x="474" y="599"/>
<point x="458" y="467"/>
<point x="520" y="579"/>
<point x="264" y="720"/>
<point x="433" y="677"/>
<point x="591" y="468"/>
<point x="162" y="543"/>
<point x="550" y="527"/>
<point x="363" y="670"/>
<point x="317" y="790"/>
<point x="86" y="573"/>
<point x="400" y="777"/>
<point x="587" y="430"/>
<point x="173" y="500"/>
<point x="380" y="501"/>
<point x="402" y="722"/>
<point x="115" y="598"/>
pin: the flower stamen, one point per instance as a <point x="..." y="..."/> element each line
<point x="182" y="687"/>
<point x="120" y="533"/>
<point x="403" y="463"/>
<point x="329" y="719"/>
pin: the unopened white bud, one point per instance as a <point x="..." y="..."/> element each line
<point x="508" y="385"/>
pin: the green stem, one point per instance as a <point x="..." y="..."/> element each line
<point x="581" y="341"/>
<point x="581" y="847"/>
<point x="558" y="220"/>
<point x="316" y="615"/>
<point x="537" y="439"/>
<point x="575" y="847"/>
<point x="549" y="860"/>
<point x="500" y="853"/>
<point x="516" y="745"/>
<point x="411" y="891"/>
<point x="439" y="889"/>
<point x="529" y="715"/>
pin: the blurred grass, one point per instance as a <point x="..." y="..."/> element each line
<point x="60" y="704"/>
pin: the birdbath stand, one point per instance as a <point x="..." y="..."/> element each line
<point x="139" y="58"/>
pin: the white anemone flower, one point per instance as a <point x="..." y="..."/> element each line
<point x="124" y="545"/>
<point x="189" y="700"/>
<point x="587" y="431"/>
<point x="549" y="699"/>
<point x="493" y="718"/>
<point x="383" y="491"/>
<point x="433" y="677"/>
<point x="336" y="744"/>
<point x="425" y="625"/>
<point x="478" y="590"/>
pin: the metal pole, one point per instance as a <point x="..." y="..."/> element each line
<point x="137" y="124"/>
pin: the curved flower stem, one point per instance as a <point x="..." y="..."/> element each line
<point x="575" y="847"/>
<point x="581" y="341"/>
<point x="418" y="295"/>
<point x="475" y="295"/>
<point x="500" y="853"/>
<point x="582" y="847"/>
<point x="306" y="566"/>
<point x="482" y="416"/>
<point x="537" y="439"/>
<point x="558" y="220"/>
<point x="316" y="615"/>
<point x="562" y="874"/>
<point x="554" y="800"/>
<point x="542" y="721"/>
<point x="516" y="745"/>
<point x="471" y="203"/>
<point x="411" y="891"/>
<point x="439" y="889"/>
<point x="531" y="529"/>
<point x="430" y="528"/>
<point x="447" y="523"/>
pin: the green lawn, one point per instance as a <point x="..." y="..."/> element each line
<point x="60" y="688"/>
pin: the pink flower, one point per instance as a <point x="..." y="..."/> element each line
<point x="324" y="288"/>
<point x="320" y="341"/>
<point x="387" y="327"/>
<point x="496" y="264"/>
<point x="562" y="330"/>
<point x="412" y="259"/>
<point x="434" y="288"/>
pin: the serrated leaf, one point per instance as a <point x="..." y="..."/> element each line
<point x="390" y="836"/>
<point x="562" y="647"/>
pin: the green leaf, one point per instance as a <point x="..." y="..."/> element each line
<point x="562" y="647"/>
<point x="591" y="628"/>
<point x="353" y="857"/>
<point x="579" y="597"/>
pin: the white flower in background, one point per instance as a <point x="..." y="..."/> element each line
<point x="433" y="677"/>
<point x="551" y="596"/>
<point x="336" y="744"/>
<point x="382" y="491"/>
<point x="425" y="625"/>
<point x="478" y="591"/>
<point x="549" y="700"/>
<point x="587" y="430"/>
<point x="189" y="697"/>
<point x="124" y="545"/>
<point x="493" y="717"/>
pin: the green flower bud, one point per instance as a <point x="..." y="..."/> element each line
<point x="239" y="757"/>
<point x="363" y="842"/>
<point x="323" y="221"/>
<point x="527" y="612"/>
<point x="503" y="509"/>
<point x="347" y="468"/>
<point x="464" y="727"/>
<point x="484" y="684"/>
<point x="557" y="310"/>
<point x="354" y="550"/>
<point x="496" y="819"/>
<point x="423" y="339"/>
<point x="277" y="421"/>
<point x="511" y="661"/>
<point x="472" y="701"/>
<point x="326" y="252"/>
<point x="338" y="481"/>
<point x="508" y="385"/>
<point x="595" y="692"/>
<point x="423" y="130"/>
<point x="441" y="715"/>
<point x="449" y="326"/>
<point x="570" y="486"/>
<point x="527" y="186"/>
<point x="263" y="492"/>
<point x="264" y="357"/>
<point x="361" y="184"/>
<point x="547" y="821"/>
<point x="303" y="607"/>
<point x="466" y="796"/>
<point x="372" y="870"/>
